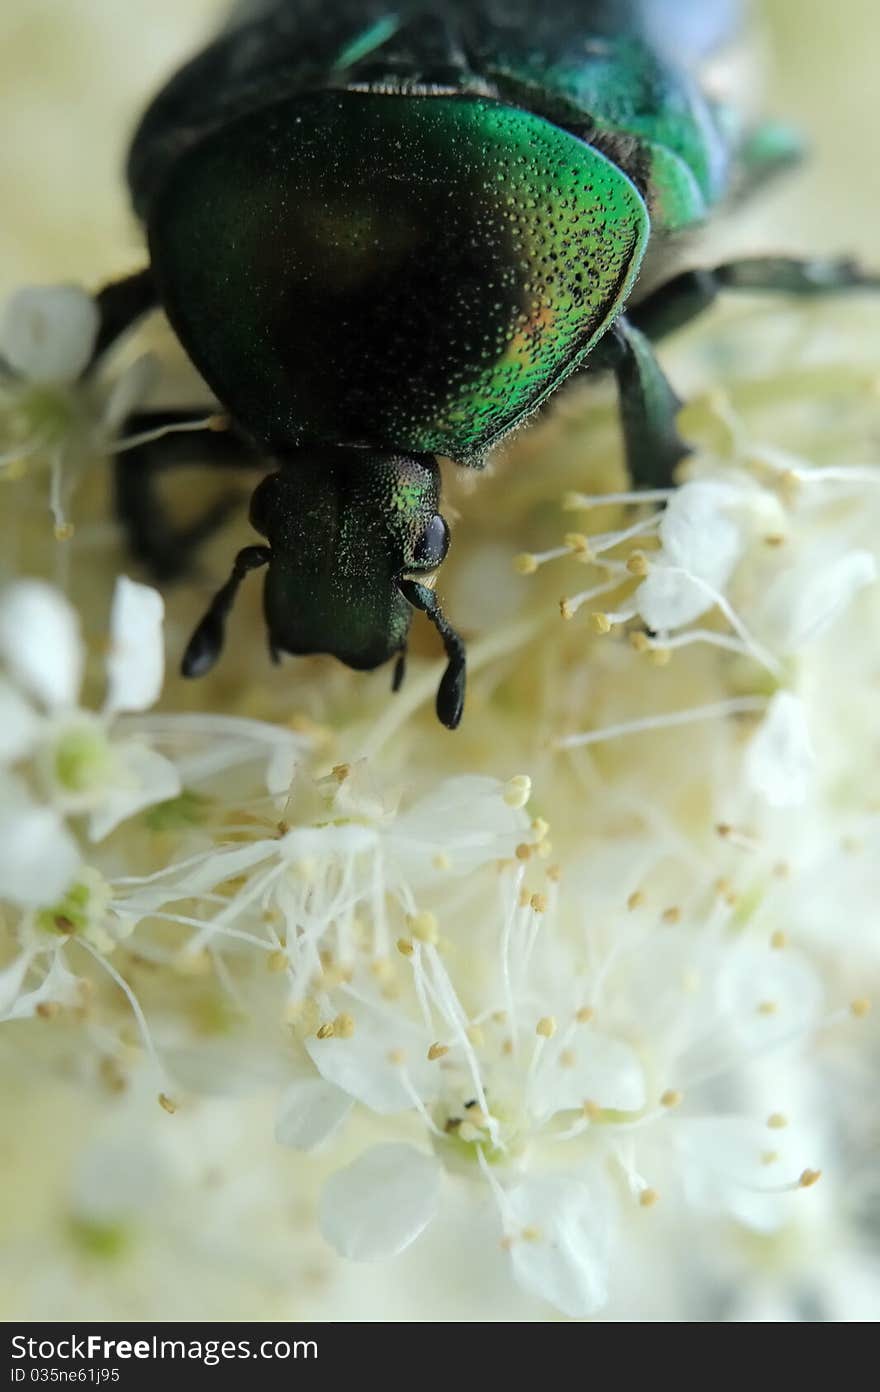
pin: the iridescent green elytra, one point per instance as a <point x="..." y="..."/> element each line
<point x="407" y="274"/>
<point x="387" y="230"/>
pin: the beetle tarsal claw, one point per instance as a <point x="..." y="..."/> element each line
<point x="451" y="692"/>
<point x="206" y="644"/>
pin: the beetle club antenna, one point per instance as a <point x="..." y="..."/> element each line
<point x="206" y="644"/>
<point x="450" y="695"/>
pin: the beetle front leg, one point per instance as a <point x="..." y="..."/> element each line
<point x="120" y="305"/>
<point x="166" y="550"/>
<point x="648" y="405"/>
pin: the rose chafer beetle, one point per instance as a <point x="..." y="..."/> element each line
<point x="386" y="231"/>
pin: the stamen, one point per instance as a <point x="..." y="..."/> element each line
<point x="744" y="705"/>
<point x="582" y="502"/>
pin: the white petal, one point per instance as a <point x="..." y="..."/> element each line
<point x="725" y="1169"/>
<point x="768" y="996"/>
<point x="328" y="842"/>
<point x="365" y="1067"/>
<point x="38" y="856"/>
<point x="603" y="1070"/>
<point x="310" y="1113"/>
<point x="145" y="779"/>
<point x="48" y="332"/>
<point x="700" y="538"/>
<point x="58" y="987"/>
<point x="136" y="662"/>
<point x="11" y="979"/>
<point x="40" y="641"/>
<point x="668" y="599"/>
<point x="378" y="1206"/>
<point x="698" y="532"/>
<point x="807" y="600"/>
<point x="781" y="760"/>
<point x="19" y="725"/>
<point x="565" y="1258"/>
<point x="200" y="877"/>
<point x="466" y="819"/>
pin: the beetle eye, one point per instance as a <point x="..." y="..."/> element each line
<point x="431" y="548"/>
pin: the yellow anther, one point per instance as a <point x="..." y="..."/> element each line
<point x="167" y="1103"/>
<point x="578" y="543"/>
<point x="600" y="623"/>
<point x="768" y="1008"/>
<point x="518" y="791"/>
<point x="476" y="1036"/>
<point x="424" y="929"/>
<point x="671" y="1098"/>
<point x="539" y="903"/>
<point x="525" y="563"/>
<point x="326" y="1031"/>
<point x="585" y="1015"/>
<point x="638" y="564"/>
<point x="672" y="915"/>
<point x="648" y="1198"/>
<point x="397" y="1057"/>
<point x="343" y="1027"/>
<point x="591" y="1110"/>
<point x="568" y="1059"/>
<point x="524" y="851"/>
<point x="636" y="901"/>
<point x="437" y="1051"/>
<point x="546" y="1027"/>
<point x="777" y="1121"/>
<point x="779" y="940"/>
<point x="405" y="947"/>
<point x="639" y="642"/>
<point x="860" y="1008"/>
<point x="809" y="1178"/>
<point x="661" y="657"/>
<point x="540" y="828"/>
<point x="277" y="962"/>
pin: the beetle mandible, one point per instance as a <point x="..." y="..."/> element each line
<point x="386" y="231"/>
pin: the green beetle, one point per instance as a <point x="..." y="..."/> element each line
<point x="389" y="231"/>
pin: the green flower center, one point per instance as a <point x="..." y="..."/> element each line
<point x="82" y="761"/>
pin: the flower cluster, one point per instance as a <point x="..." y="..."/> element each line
<point x="539" y="1014"/>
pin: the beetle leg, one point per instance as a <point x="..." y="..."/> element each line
<point x="681" y="299"/>
<point x="165" y="550"/>
<point x="120" y="305"/>
<point x="450" y="696"/>
<point x="648" y="405"/>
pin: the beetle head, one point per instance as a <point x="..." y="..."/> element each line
<point x="349" y="531"/>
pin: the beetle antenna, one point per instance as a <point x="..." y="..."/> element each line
<point x="206" y="644"/>
<point x="450" y="696"/>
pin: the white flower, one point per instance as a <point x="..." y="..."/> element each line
<point x="538" y="1060"/>
<point x="50" y="408"/>
<point x="78" y="764"/>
